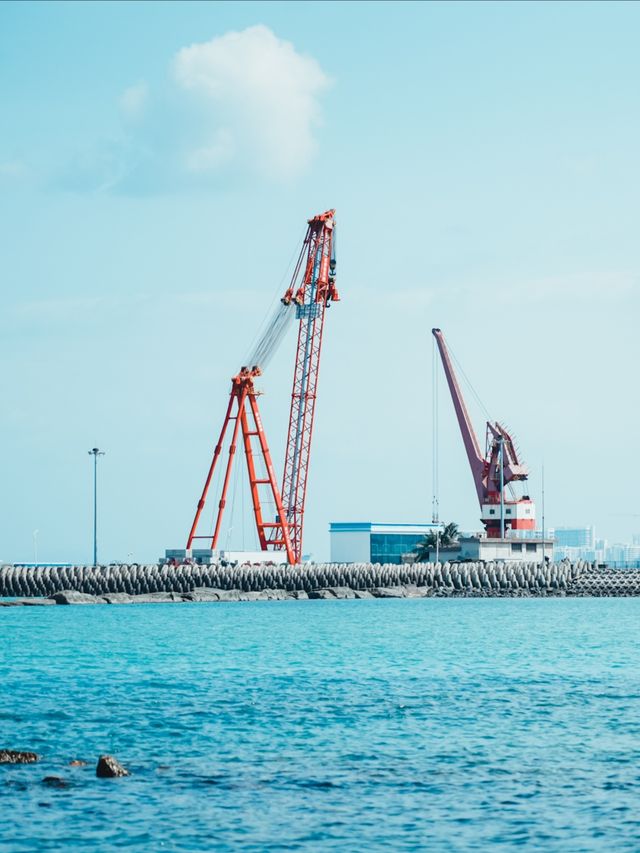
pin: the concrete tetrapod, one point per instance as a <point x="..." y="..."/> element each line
<point x="455" y="579"/>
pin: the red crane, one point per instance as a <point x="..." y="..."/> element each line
<point x="310" y="292"/>
<point x="496" y="469"/>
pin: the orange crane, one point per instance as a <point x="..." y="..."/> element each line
<point x="496" y="469"/>
<point x="311" y="291"/>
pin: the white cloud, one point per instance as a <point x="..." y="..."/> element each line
<point x="265" y="92"/>
<point x="213" y="155"/>
<point x="134" y="100"/>
<point x="245" y="105"/>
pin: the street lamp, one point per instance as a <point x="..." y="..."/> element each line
<point x="95" y="452"/>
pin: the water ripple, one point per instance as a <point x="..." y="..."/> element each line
<point x="444" y="725"/>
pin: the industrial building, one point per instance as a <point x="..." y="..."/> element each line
<point x="533" y="549"/>
<point x="374" y="542"/>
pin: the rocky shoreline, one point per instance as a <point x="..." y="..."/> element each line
<point x="107" y="767"/>
<point x="147" y="584"/>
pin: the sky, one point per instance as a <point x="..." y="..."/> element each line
<point x="158" y="163"/>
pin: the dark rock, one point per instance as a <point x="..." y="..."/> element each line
<point x="229" y="595"/>
<point x="110" y="768"/>
<point x="55" y="782"/>
<point x="202" y="594"/>
<point x="388" y="592"/>
<point x="298" y="595"/>
<point x="343" y="592"/>
<point x="322" y="593"/>
<point x="276" y="594"/>
<point x="362" y="593"/>
<point x="11" y="756"/>
<point x="70" y="596"/>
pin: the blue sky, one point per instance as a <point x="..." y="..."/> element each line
<point x="157" y="166"/>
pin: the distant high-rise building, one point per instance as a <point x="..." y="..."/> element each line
<point x="575" y="537"/>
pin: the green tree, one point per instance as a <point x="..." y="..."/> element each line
<point x="435" y="539"/>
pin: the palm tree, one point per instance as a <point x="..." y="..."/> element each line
<point x="436" y="539"/>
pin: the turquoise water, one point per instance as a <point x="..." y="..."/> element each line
<point x="348" y="725"/>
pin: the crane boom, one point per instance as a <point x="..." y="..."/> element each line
<point x="476" y="460"/>
<point x="316" y="291"/>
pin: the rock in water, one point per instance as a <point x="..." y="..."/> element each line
<point x="110" y="768"/>
<point x="55" y="782"/>
<point x="11" y="756"/>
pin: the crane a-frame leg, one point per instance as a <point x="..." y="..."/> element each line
<point x="247" y="419"/>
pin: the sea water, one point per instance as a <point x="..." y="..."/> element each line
<point x="348" y="725"/>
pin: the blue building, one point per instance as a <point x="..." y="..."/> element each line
<point x="575" y="537"/>
<point x="373" y="542"/>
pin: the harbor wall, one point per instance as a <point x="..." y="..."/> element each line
<point x="419" y="579"/>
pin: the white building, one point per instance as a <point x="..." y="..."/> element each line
<point x="527" y="547"/>
<point x="207" y="556"/>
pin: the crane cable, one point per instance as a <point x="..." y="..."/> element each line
<point x="274" y="323"/>
<point x="275" y="331"/>
<point x="435" y="424"/>
<point x="469" y="385"/>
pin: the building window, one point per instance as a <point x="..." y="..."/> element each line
<point x="508" y="512"/>
<point x="531" y="546"/>
<point x="516" y="546"/>
<point x="390" y="547"/>
<point x="492" y="512"/>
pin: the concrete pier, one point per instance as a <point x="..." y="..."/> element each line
<point x="116" y="584"/>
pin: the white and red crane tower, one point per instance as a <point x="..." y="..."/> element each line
<point x="496" y="469"/>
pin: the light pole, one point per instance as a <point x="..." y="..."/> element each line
<point x="95" y="452"/>
<point x="543" y="525"/>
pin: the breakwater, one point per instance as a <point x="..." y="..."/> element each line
<point x="320" y="580"/>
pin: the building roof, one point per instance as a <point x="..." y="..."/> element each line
<point x="382" y="527"/>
